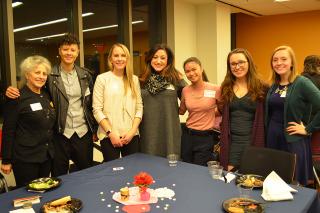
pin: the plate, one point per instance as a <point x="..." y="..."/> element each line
<point x="72" y="206"/>
<point x="44" y="184"/>
<point x="242" y="205"/>
<point x="250" y="180"/>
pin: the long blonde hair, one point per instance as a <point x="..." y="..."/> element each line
<point x="128" y="72"/>
<point x="275" y="78"/>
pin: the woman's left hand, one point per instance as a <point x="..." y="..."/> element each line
<point x="295" y="128"/>
<point x="126" y="138"/>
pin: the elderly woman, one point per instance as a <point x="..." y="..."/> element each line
<point x="27" y="147"/>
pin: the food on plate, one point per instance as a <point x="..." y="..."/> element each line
<point x="235" y="210"/>
<point x="43" y="183"/>
<point x="251" y="181"/>
<point x="64" y="204"/>
<point x="25" y="200"/>
<point x="124" y="192"/>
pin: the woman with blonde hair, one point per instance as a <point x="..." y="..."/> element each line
<point x="27" y="146"/>
<point x="242" y="107"/>
<point x="289" y="103"/>
<point x="117" y="105"/>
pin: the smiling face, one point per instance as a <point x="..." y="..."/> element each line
<point x="68" y="53"/>
<point x="118" y="59"/>
<point x="37" y="78"/>
<point x="282" y="63"/>
<point x="239" y="65"/>
<point x="159" y="60"/>
<point x="193" y="72"/>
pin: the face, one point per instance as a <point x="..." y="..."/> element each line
<point x="118" y="58"/>
<point x="159" y="60"/>
<point x="281" y="63"/>
<point x="193" y="71"/>
<point x="239" y="65"/>
<point x="68" y="53"/>
<point x="37" y="77"/>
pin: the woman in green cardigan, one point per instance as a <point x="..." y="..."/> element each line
<point x="288" y="108"/>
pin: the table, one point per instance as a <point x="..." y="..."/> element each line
<point x="195" y="190"/>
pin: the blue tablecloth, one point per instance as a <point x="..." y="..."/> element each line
<point x="196" y="191"/>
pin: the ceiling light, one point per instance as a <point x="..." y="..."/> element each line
<point x="86" y="30"/>
<point x="48" y="23"/>
<point x="281" y="0"/>
<point x="16" y="4"/>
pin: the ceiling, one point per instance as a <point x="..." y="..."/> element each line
<point x="268" y="7"/>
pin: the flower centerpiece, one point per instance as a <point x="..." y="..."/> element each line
<point x="143" y="180"/>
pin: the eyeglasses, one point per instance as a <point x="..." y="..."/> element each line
<point x="240" y="63"/>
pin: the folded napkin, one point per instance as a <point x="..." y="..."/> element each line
<point x="275" y="189"/>
<point x="229" y="177"/>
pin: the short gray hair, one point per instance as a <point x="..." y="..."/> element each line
<point x="31" y="63"/>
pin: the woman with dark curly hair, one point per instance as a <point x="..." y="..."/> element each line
<point x="161" y="85"/>
<point x="242" y="107"/>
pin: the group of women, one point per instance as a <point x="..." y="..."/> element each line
<point x="143" y="113"/>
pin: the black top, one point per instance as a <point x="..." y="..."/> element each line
<point x="27" y="128"/>
<point x="242" y="113"/>
<point x="276" y="104"/>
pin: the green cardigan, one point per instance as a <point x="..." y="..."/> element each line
<point x="302" y="97"/>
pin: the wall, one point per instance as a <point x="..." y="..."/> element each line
<point x="260" y="35"/>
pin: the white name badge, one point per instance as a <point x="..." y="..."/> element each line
<point x="283" y="94"/>
<point x="209" y="93"/>
<point x="170" y="87"/>
<point x="87" y="92"/>
<point x="36" y="106"/>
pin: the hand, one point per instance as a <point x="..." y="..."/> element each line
<point x="295" y="128"/>
<point x="115" y="140"/>
<point x="12" y="92"/>
<point x="126" y="138"/>
<point x="95" y="138"/>
<point x="6" y="168"/>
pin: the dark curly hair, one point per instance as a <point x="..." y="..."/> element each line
<point x="69" y="39"/>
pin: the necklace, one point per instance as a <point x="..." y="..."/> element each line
<point x="280" y="91"/>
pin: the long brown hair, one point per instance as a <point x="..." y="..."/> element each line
<point x="170" y="73"/>
<point x="256" y="88"/>
<point x="128" y="72"/>
<point x="311" y="65"/>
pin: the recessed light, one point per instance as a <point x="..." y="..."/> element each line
<point x="281" y="0"/>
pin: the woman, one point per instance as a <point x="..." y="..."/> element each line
<point x="288" y="108"/>
<point x="242" y="106"/>
<point x="311" y="70"/>
<point x="117" y="105"/>
<point x="27" y="146"/>
<point x="161" y="86"/>
<point x="200" y="100"/>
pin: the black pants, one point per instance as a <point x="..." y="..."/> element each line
<point x="79" y="150"/>
<point x="111" y="153"/>
<point x="197" y="146"/>
<point x="25" y="172"/>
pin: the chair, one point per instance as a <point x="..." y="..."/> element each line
<point x="262" y="161"/>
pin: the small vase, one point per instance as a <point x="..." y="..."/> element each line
<point x="144" y="195"/>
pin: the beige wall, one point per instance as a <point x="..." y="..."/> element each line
<point x="260" y="35"/>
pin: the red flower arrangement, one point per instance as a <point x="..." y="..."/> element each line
<point x="143" y="180"/>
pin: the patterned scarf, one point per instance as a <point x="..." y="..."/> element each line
<point x="156" y="83"/>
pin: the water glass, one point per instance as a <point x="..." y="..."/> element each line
<point x="215" y="171"/>
<point x="244" y="191"/>
<point x="172" y="159"/>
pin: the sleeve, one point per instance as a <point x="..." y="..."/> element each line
<point x="11" y="114"/>
<point x="312" y="93"/>
<point x="180" y="86"/>
<point x="139" y="105"/>
<point x="98" y="99"/>
<point x="183" y="107"/>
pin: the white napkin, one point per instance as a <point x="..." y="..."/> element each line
<point x="275" y="189"/>
<point x="229" y="176"/>
<point x="29" y="210"/>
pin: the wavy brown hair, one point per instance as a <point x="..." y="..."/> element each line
<point x="312" y="65"/>
<point x="170" y="73"/>
<point x="256" y="87"/>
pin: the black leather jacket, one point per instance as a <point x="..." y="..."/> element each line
<point x="60" y="101"/>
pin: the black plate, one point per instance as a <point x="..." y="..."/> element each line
<point x="241" y="179"/>
<point x="244" y="204"/>
<point x="74" y="205"/>
<point x="44" y="180"/>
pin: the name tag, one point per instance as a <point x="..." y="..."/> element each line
<point x="36" y="106"/>
<point x="170" y="87"/>
<point x="87" y="92"/>
<point x="283" y="94"/>
<point x="209" y="93"/>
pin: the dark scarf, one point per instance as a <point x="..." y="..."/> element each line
<point x="156" y="83"/>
